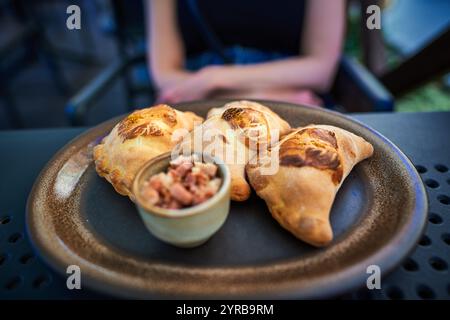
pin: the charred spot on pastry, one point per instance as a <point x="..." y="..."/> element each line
<point x="253" y="123"/>
<point x="145" y="129"/>
<point x="243" y="117"/>
<point x="134" y="125"/>
<point x="324" y="135"/>
<point x="336" y="177"/>
<point x="319" y="152"/>
<point x="322" y="158"/>
<point x="231" y="113"/>
<point x="170" y="118"/>
<point x="236" y="117"/>
<point x="129" y="121"/>
<point x="292" y="160"/>
<point x="317" y="158"/>
<point x="317" y="136"/>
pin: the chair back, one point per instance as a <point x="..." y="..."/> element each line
<point x="129" y="28"/>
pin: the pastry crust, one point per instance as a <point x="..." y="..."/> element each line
<point x="313" y="163"/>
<point x="141" y="136"/>
<point x="239" y="129"/>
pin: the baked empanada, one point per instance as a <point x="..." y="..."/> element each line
<point x="235" y="133"/>
<point x="141" y="136"/>
<point x="313" y="162"/>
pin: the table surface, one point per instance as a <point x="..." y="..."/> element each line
<point x="423" y="137"/>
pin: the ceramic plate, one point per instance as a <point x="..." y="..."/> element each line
<point x="75" y="218"/>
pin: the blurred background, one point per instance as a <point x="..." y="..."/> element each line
<point x="54" y="77"/>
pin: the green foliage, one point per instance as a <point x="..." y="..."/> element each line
<point x="430" y="97"/>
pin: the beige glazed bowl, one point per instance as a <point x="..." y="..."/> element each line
<point x="188" y="227"/>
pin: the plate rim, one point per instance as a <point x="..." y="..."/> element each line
<point x="328" y="285"/>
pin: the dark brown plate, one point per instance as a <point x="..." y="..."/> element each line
<point x="75" y="218"/>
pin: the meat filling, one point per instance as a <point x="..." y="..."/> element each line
<point x="186" y="183"/>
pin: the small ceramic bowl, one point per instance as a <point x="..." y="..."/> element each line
<point x="187" y="227"/>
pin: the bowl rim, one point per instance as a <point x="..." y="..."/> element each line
<point x="184" y="212"/>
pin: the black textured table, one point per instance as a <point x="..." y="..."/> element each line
<point x="423" y="137"/>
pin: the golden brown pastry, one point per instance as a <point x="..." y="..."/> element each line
<point x="313" y="163"/>
<point x="235" y="133"/>
<point x="141" y="136"/>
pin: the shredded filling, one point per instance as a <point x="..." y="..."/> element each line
<point x="186" y="183"/>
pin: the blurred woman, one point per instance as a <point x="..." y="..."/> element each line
<point x="284" y="50"/>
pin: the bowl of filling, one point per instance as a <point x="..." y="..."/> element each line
<point x="184" y="200"/>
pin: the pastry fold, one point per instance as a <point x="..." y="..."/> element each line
<point x="313" y="162"/>
<point x="235" y="133"/>
<point x="141" y="136"/>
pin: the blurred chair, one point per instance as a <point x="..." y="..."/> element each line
<point x="355" y="89"/>
<point x="422" y="43"/>
<point x="28" y="44"/>
<point x="19" y="51"/>
<point x="429" y="63"/>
